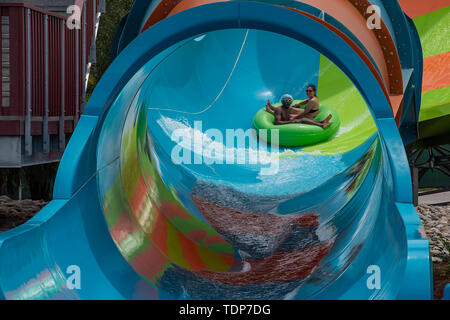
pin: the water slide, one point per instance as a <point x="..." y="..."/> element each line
<point x="434" y="131"/>
<point x="165" y="192"/>
<point x="432" y="26"/>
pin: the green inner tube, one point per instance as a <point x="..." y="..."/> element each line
<point x="297" y="134"/>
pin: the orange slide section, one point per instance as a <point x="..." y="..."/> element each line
<point x="436" y="71"/>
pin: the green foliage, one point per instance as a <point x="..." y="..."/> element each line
<point x="36" y="182"/>
<point x="115" y="10"/>
<point x="9" y="182"/>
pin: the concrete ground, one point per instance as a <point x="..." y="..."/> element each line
<point x="435" y="198"/>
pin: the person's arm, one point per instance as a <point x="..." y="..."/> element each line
<point x="269" y="107"/>
<point x="301" y="103"/>
<point x="308" y="107"/>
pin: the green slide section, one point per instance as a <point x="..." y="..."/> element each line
<point x="337" y="91"/>
<point x="435" y="104"/>
<point x="434" y="32"/>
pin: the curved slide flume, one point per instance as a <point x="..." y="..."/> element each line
<point x="156" y="197"/>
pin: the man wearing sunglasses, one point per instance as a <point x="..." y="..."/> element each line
<point x="294" y="114"/>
